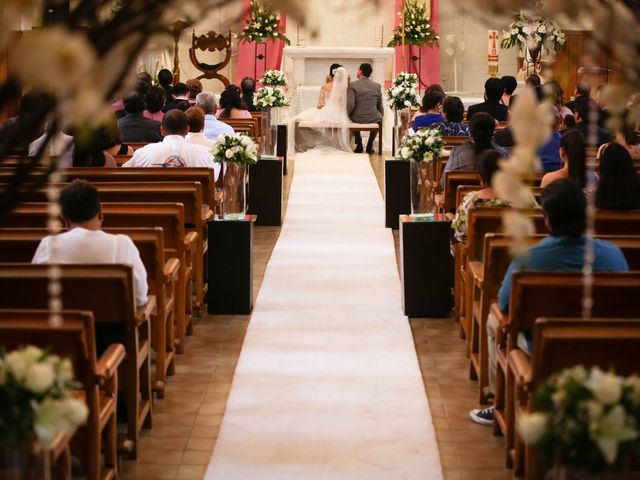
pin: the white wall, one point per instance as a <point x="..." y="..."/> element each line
<point x="456" y="18"/>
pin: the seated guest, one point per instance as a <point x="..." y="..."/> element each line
<point x="165" y="79"/>
<point x="504" y="136"/>
<point x="619" y="184"/>
<point x="465" y="156"/>
<point x="434" y="87"/>
<point x="173" y="151"/>
<point x="248" y="89"/>
<point x="85" y="242"/>
<point x="568" y="121"/>
<point x="573" y="157"/>
<point x="195" y="119"/>
<point x="487" y="197"/>
<point x="563" y="206"/>
<point x="582" y="91"/>
<point x="32" y="105"/>
<point x="493" y="90"/>
<point x="549" y="153"/>
<point x="533" y="81"/>
<point x="142" y="86"/>
<point x="154" y="101"/>
<point x="453" y="126"/>
<point x="627" y="137"/>
<point x="88" y="151"/>
<point x="195" y="87"/>
<point x="431" y="111"/>
<point x="212" y="126"/>
<point x="231" y="105"/>
<point x="510" y="84"/>
<point x="556" y="94"/>
<point x="180" y="98"/>
<point x="583" y="111"/>
<point x="134" y="127"/>
<point x="60" y="145"/>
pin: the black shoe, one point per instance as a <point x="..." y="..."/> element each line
<point x="358" y="149"/>
<point x="369" y="150"/>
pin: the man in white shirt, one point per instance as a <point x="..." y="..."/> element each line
<point x="173" y="151"/>
<point x="195" y="118"/>
<point x="212" y="126"/>
<point x="85" y="242"/>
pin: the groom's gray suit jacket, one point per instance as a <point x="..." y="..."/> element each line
<point x="364" y="101"/>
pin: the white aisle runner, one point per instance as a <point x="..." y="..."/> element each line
<point x="328" y="385"/>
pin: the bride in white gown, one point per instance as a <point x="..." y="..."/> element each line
<point x="324" y="128"/>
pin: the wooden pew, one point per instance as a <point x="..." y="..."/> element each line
<point x="463" y="190"/>
<point x="75" y="339"/>
<point x="480" y="221"/>
<point x="452" y="180"/>
<point x="107" y="291"/>
<point x="19" y="245"/>
<point x="178" y="244"/>
<point x="248" y="126"/>
<point x="189" y="194"/>
<point x="487" y="278"/>
<point x="536" y="294"/>
<point x="564" y="343"/>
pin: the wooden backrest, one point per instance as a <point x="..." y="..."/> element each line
<point x="463" y="190"/>
<point x="617" y="222"/>
<point x="452" y="180"/>
<point x="250" y="126"/>
<point x="607" y="343"/>
<point x="451" y="141"/>
<point x="483" y="220"/>
<point x="536" y="294"/>
<point x="496" y="257"/>
<point x="74" y="339"/>
<point x="168" y="216"/>
<point x="19" y="246"/>
<point x="106" y="290"/>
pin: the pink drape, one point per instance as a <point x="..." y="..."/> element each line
<point x="246" y="66"/>
<point x="430" y="66"/>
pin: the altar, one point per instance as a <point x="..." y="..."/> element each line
<point x="311" y="64"/>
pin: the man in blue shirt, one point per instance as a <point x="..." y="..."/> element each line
<point x="549" y="153"/>
<point x="563" y="205"/>
<point x="212" y="126"/>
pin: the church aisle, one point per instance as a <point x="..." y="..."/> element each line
<point x="328" y="384"/>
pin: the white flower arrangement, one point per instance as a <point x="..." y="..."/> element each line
<point x="263" y="25"/>
<point x="417" y="28"/>
<point x="425" y="145"/>
<point x="403" y="93"/>
<point x="538" y="32"/>
<point x="586" y="420"/>
<point x="274" y="78"/>
<point x="269" y="97"/>
<point x="35" y="397"/>
<point x="236" y="148"/>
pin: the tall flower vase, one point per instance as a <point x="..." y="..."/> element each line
<point x="235" y="198"/>
<point x="423" y="189"/>
<point x="532" y="59"/>
<point x="268" y="131"/>
<point x="401" y="125"/>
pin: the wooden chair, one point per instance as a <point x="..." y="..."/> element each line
<point x="107" y="291"/>
<point x="19" y="245"/>
<point x="369" y="127"/>
<point x="564" y="343"/>
<point x="178" y="244"/>
<point x="75" y="339"/>
<point x="211" y="42"/>
<point x="536" y="294"/>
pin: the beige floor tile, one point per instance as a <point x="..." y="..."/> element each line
<point x="201" y="444"/>
<point x="190" y="472"/>
<point x="196" y="457"/>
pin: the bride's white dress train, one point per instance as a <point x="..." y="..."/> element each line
<point x="324" y="128"/>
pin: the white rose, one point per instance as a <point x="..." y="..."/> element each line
<point x="532" y="426"/>
<point x="228" y="153"/>
<point x="18" y="362"/>
<point x="428" y="157"/>
<point x="514" y="31"/>
<point x="405" y="152"/>
<point x="39" y="377"/>
<point x="606" y="387"/>
<point x="407" y="103"/>
<point x="521" y="38"/>
<point x="76" y="411"/>
<point x="429" y="140"/>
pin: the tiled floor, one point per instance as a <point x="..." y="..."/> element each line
<point x="186" y="422"/>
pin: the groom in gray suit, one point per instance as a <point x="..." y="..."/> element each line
<point x="364" y="104"/>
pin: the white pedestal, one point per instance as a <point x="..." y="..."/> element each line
<point x="311" y="64"/>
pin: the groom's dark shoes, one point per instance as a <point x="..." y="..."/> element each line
<point x="358" y="149"/>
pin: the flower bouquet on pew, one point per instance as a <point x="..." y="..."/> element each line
<point x="237" y="152"/>
<point x="269" y="97"/>
<point x="585" y="421"/>
<point x="403" y="94"/>
<point x="36" y="401"/>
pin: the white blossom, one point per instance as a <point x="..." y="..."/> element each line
<point x="613" y="429"/>
<point x="39" y="377"/>
<point x="18" y="362"/>
<point x="606" y="387"/>
<point x="532" y="426"/>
